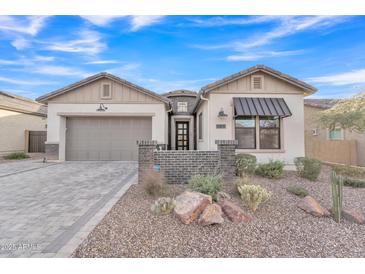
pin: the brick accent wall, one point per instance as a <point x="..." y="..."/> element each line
<point x="180" y="165"/>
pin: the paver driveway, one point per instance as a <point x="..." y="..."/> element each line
<point x="47" y="209"/>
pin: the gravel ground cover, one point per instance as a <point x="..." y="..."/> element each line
<point x="279" y="228"/>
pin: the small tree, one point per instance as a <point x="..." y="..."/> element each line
<point x="347" y="114"/>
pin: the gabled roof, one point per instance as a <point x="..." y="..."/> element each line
<point x="257" y="68"/>
<point x="22" y="104"/>
<point x="285" y="77"/>
<point x="321" y="103"/>
<point x="46" y="97"/>
<point x="180" y="92"/>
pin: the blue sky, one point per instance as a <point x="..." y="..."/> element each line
<point x="40" y="54"/>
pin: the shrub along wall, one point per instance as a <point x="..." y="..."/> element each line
<point x="179" y="166"/>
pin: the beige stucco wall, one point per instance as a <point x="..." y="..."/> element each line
<point x="12" y="125"/>
<point x="292" y="127"/>
<point x="57" y="114"/>
<point x="203" y="144"/>
<point x="311" y="113"/>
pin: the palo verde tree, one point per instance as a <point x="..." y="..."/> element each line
<point x="347" y="114"/>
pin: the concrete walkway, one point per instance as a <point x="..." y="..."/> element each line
<point x="47" y="210"/>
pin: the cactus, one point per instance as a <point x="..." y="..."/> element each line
<point x="163" y="205"/>
<point x="337" y="195"/>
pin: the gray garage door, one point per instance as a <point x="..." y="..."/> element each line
<point x="105" y="138"/>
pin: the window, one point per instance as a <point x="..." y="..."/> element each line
<point x="182" y="106"/>
<point x="335" y="134"/>
<point x="257" y="132"/>
<point x="106" y="91"/>
<point x="257" y="82"/>
<point x="269" y="133"/>
<point x="200" y="129"/>
<point x="246" y="132"/>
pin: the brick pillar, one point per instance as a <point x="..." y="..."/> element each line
<point x="145" y="155"/>
<point x="227" y="157"/>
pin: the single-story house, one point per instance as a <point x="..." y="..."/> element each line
<point x="337" y="145"/>
<point x="19" y="116"/>
<point x="102" y="117"/>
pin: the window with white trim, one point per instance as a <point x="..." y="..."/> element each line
<point x="182" y="106"/>
<point x="106" y="91"/>
<point x="253" y="132"/>
<point x="257" y="82"/>
<point x="200" y="126"/>
<point x="335" y="134"/>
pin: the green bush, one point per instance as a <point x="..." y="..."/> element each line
<point x="210" y="184"/>
<point x="272" y="170"/>
<point x="308" y="168"/>
<point x="163" y="205"/>
<point x="154" y="183"/>
<point x="241" y="181"/>
<point x="253" y="195"/>
<point x="245" y="164"/>
<point x="298" y="190"/>
<point x="354" y="182"/>
<point x="16" y="156"/>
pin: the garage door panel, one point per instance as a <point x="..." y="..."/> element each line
<point x="105" y="138"/>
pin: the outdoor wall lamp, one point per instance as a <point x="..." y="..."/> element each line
<point x="102" y="108"/>
<point x="221" y="114"/>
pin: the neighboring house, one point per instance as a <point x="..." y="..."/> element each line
<point x="17" y="116"/>
<point x="347" y="147"/>
<point x="102" y="117"/>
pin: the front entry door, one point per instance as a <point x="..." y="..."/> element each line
<point x="182" y="135"/>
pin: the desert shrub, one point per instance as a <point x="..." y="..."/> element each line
<point x="308" y="168"/>
<point x="245" y="180"/>
<point x="245" y="164"/>
<point x="272" y="170"/>
<point x="163" y="205"/>
<point x="154" y="183"/>
<point x="253" y="195"/>
<point x="210" y="184"/>
<point x="298" y="190"/>
<point x="16" y="156"/>
<point x="354" y="182"/>
<point x="350" y="171"/>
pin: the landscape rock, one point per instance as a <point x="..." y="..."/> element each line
<point x="234" y="213"/>
<point x="189" y="205"/>
<point x="310" y="205"/>
<point x="354" y="215"/>
<point x="223" y="195"/>
<point x="212" y="214"/>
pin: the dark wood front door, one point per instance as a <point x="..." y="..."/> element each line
<point x="182" y="135"/>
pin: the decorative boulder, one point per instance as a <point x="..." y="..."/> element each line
<point x="310" y="205"/>
<point x="189" y="205"/>
<point x="234" y="213"/>
<point x="212" y="214"/>
<point x="354" y="215"/>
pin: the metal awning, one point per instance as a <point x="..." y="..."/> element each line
<point x="245" y="106"/>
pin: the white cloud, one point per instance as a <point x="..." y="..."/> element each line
<point x="101" y="62"/>
<point x="30" y="25"/>
<point x="141" y="21"/>
<point x="347" y="78"/>
<point x="169" y="85"/>
<point x="89" y="42"/>
<point x="44" y="58"/>
<point x="59" y="71"/>
<point x="101" y="20"/>
<point x="264" y="54"/>
<point x="25" y="82"/>
<point x="8" y="62"/>
<point x="20" y="43"/>
<point x="227" y="21"/>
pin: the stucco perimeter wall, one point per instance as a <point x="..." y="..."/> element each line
<point x="292" y="127"/>
<point x="57" y="114"/>
<point x="12" y="127"/>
